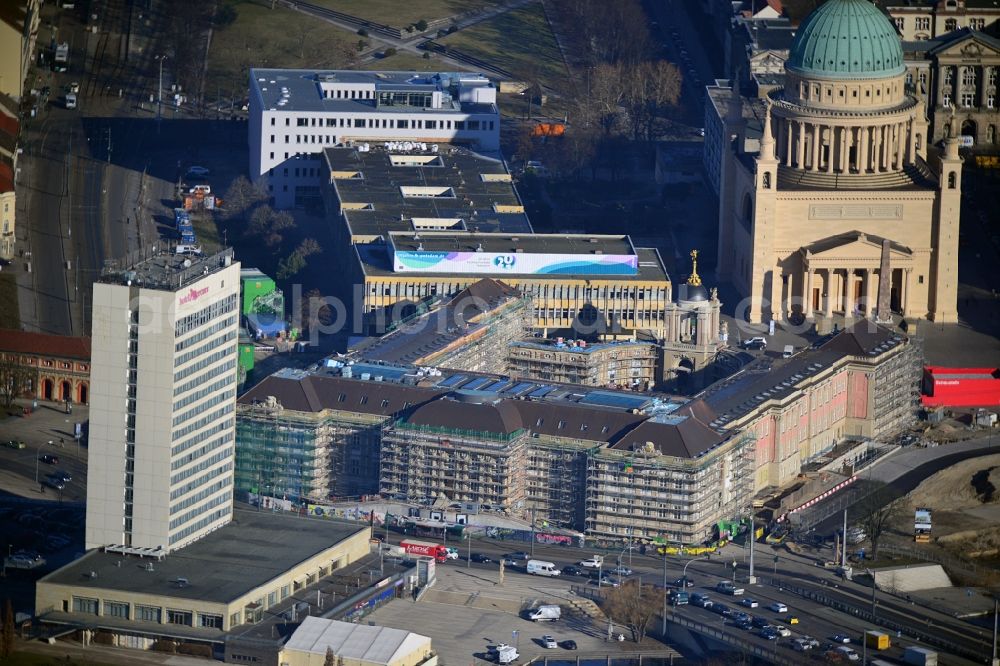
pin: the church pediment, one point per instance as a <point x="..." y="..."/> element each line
<point x="855" y="245"/>
<point x="969" y="46"/>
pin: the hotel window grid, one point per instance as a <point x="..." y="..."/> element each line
<point x="923" y="23"/>
<point x="968" y="77"/>
<point x="968" y="100"/>
<point x="950" y="25"/>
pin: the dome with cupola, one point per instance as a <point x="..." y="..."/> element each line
<point x="846" y="39"/>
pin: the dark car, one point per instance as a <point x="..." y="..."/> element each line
<point x="769" y="633"/>
<point x="568" y="645"/>
<point x="519" y="555"/>
<point x="479" y="557"/>
<point x="760" y="622"/>
<point x="745" y="625"/>
<point x="51" y="482"/>
<point x="683" y="582"/>
<point x="721" y="609"/>
<point x="573" y="570"/>
<point x="62" y="475"/>
<point x="49" y="459"/>
<point x="754" y="343"/>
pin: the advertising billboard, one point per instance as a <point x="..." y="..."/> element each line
<point x="922" y="520"/>
<point x="496" y="263"/>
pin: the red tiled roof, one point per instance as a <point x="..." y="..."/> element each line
<point x="61" y="346"/>
<point x="8" y="125"/>
<point x="6" y="177"/>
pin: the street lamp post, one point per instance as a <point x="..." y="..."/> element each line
<point x="159" y="89"/>
<point x="468" y="540"/>
<point x="664" y="628"/>
<point x="38" y="455"/>
<point x="871" y="573"/>
<point x="684" y="573"/>
<point x="751" y="579"/>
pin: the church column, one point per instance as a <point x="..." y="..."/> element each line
<point x="900" y="145"/>
<point x="815" y="149"/>
<point x="789" y="140"/>
<point x="776" y="300"/>
<point x="913" y="141"/>
<point x="830" y="146"/>
<point x="789" y="296"/>
<point x="828" y="288"/>
<point x="807" y="292"/>
<point x="981" y="88"/>
<point x="876" y="147"/>
<point x="849" y="302"/>
<point x="904" y="292"/>
<point x="844" y="161"/>
<point x="869" y="291"/>
<point x="883" y="144"/>
<point x="863" y="150"/>
<point x="800" y="147"/>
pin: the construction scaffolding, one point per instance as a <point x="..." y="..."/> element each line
<point x="643" y="495"/>
<point x="418" y="462"/>
<point x="304" y="456"/>
<point x="895" y="385"/>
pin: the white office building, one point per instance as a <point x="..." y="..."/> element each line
<point x="163" y="398"/>
<point x="295" y="114"/>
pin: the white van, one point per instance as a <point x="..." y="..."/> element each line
<point x="540" y="568"/>
<point x="70" y="100"/>
<point x="547" y="613"/>
<point x="789" y="351"/>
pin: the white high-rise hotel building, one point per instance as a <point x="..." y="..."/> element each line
<point x="163" y="397"/>
<point x="295" y="114"/>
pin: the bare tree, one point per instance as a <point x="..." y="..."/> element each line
<point x="330" y="659"/>
<point x="14" y="378"/>
<point x="876" y="513"/>
<point x="241" y="196"/>
<point x="308" y="247"/>
<point x="633" y="605"/>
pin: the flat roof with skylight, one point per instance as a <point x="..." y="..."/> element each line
<point x="411" y="186"/>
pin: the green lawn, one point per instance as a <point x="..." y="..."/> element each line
<point x="10" y="316"/>
<point x="520" y="42"/>
<point x="404" y="61"/>
<point x="402" y="14"/>
<point x="261" y="37"/>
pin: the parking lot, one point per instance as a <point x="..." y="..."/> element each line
<point x="468" y="610"/>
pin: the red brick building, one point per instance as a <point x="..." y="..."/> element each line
<point x="60" y="364"/>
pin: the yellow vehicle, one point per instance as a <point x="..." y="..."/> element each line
<point x="792" y="619"/>
<point x="877" y="640"/>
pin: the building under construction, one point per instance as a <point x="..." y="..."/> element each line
<point x="470" y="331"/>
<point x="627" y="364"/>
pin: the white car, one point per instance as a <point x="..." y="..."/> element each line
<point x="848" y="653"/>
<point x="74" y="87"/>
<point x="783" y="631"/>
<point x="595" y="562"/>
<point x="548" y="642"/>
<point x="748" y="602"/>
<point x="778" y="607"/>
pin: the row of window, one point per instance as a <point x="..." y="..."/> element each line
<point x="201" y="335"/>
<point x="227" y="305"/>
<point x="225" y="498"/>
<point x="201" y="393"/>
<point x="223" y="369"/>
<point x="202" y="465"/>
<point x="221" y="484"/>
<point x="224" y="396"/>
<point x="179" y="448"/>
<point x="203" y="450"/>
<point x="380" y="122"/>
<point x="216" y="516"/>
<point x="193" y="353"/>
<point x="203" y="421"/>
<point x="211" y="359"/>
<point x="967" y="100"/>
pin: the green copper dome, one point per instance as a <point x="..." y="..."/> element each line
<point x="846" y="39"/>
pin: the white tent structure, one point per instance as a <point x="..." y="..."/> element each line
<point x="355" y="645"/>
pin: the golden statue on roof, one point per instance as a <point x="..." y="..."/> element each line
<point x="694" y="280"/>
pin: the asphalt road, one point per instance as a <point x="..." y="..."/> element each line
<point x="791" y="580"/>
